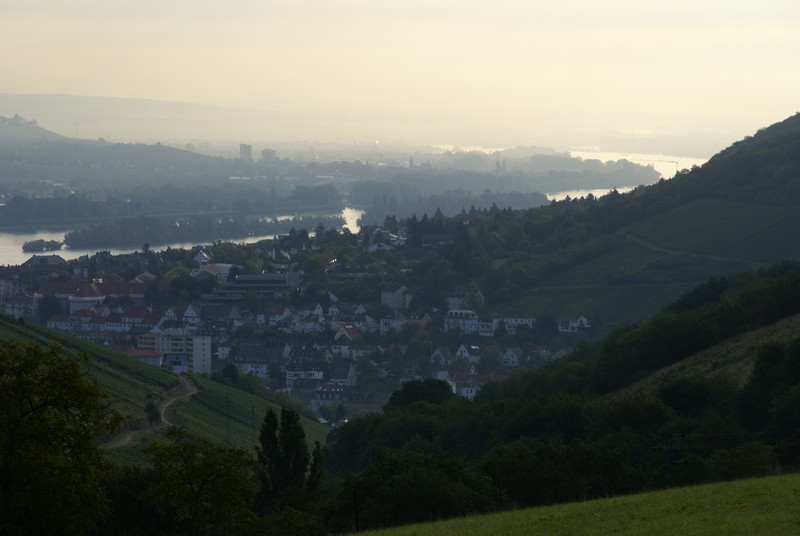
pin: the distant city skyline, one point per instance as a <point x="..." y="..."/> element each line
<point x="469" y="72"/>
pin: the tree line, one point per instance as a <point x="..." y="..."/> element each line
<point x="205" y="228"/>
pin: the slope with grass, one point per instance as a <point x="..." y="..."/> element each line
<point x="224" y="414"/>
<point x="604" y="304"/>
<point x="732" y="360"/>
<point x="215" y="412"/>
<point x="211" y="411"/>
<point x="744" y="507"/>
<point x="724" y="229"/>
<point x="624" y="285"/>
<point x="737" y="212"/>
<point x="129" y="382"/>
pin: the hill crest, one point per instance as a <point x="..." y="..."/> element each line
<point x="760" y="169"/>
<point x="19" y="129"/>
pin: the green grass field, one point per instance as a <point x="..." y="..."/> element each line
<point x="624" y="285"/>
<point x="221" y="413"/>
<point x="604" y="304"/>
<point x="630" y="259"/>
<point x="746" y="507"/>
<point x="725" y="229"/>
<point x="732" y="360"/>
<point x="665" y="256"/>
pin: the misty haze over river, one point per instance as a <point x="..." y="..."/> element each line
<point x="11" y="243"/>
<point x="666" y="165"/>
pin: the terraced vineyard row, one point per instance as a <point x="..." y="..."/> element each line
<point x="723" y="228"/>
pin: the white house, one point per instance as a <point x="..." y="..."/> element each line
<point x="60" y="322"/>
<point x="512" y="357"/>
<point x="461" y="319"/>
<point x="395" y="296"/>
<point x="441" y="356"/>
<point x="514" y="322"/>
<point x="392" y="324"/>
<point x="571" y="324"/>
<point x="294" y="375"/>
<point x="467" y="385"/>
<point x="343" y="373"/>
<point x="191" y="315"/>
<point x="202" y="257"/>
<point x="471" y="352"/>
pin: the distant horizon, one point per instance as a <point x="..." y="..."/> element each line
<point x="150" y="120"/>
<point x="685" y="77"/>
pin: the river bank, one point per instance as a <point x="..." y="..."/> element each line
<point x="11" y="242"/>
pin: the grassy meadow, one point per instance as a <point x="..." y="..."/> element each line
<point x="745" y="507"/>
<point x="129" y="382"/>
<point x="603" y="304"/>
<point x="724" y="229"/>
<point x="624" y="285"/>
<point x="205" y="415"/>
<point x="732" y="360"/>
<point x="665" y="256"/>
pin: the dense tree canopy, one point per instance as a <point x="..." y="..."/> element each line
<point x="207" y="487"/>
<point x="49" y="458"/>
<point x="427" y="390"/>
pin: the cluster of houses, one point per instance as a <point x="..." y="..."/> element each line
<point x="203" y="336"/>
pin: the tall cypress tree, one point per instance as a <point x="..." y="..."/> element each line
<point x="268" y="456"/>
<point x="284" y="460"/>
<point x="315" y="471"/>
<point x="293" y="451"/>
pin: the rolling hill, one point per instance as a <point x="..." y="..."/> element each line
<point x="25" y="141"/>
<point x="757" y="506"/>
<point x="732" y="360"/>
<point x="216" y="412"/>
<point x="17" y="130"/>
<point x="739" y="211"/>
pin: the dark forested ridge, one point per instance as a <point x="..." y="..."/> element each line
<point x="760" y="169"/>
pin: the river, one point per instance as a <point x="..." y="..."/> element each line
<point x="666" y="165"/>
<point x="11" y="243"/>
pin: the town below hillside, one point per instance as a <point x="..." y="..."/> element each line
<point x="315" y="314"/>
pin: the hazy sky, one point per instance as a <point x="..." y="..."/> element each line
<point x="489" y="67"/>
